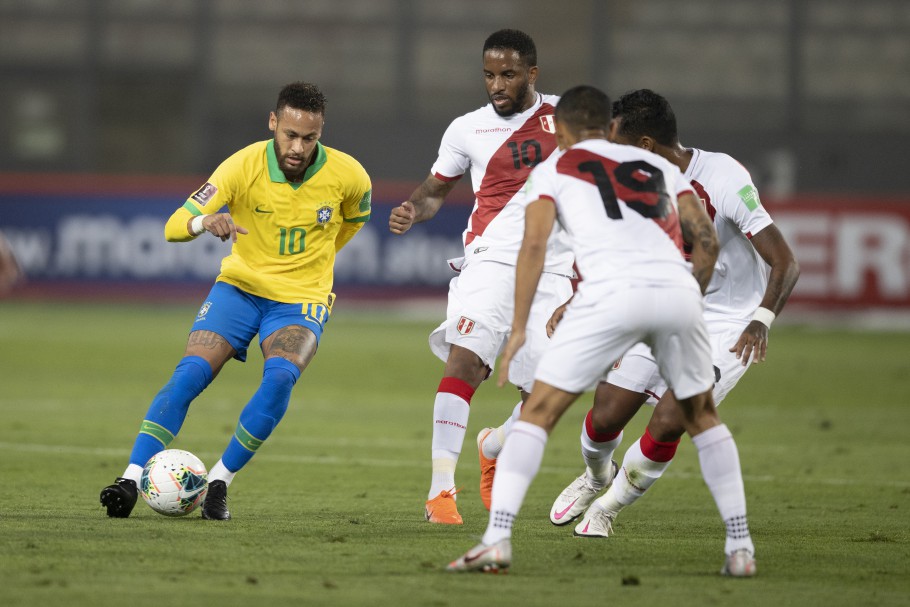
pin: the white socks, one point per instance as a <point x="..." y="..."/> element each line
<point x="720" y="468"/>
<point x="516" y="467"/>
<point x="450" y="421"/>
<point x="133" y="472"/>
<point x="624" y="491"/>
<point x="492" y="446"/>
<point x="598" y="455"/>
<point x="220" y="473"/>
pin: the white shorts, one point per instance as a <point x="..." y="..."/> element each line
<point x="479" y="316"/>
<point x="597" y="330"/>
<point x="637" y="369"/>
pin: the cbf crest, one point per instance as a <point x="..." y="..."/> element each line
<point x="203" y="311"/>
<point x="324" y="215"/>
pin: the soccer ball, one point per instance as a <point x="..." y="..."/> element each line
<point x="174" y="482"/>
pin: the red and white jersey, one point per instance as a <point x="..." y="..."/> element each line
<point x="500" y="152"/>
<point x="618" y="206"/>
<point x="740" y="274"/>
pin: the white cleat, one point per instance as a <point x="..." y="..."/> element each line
<point x="576" y="498"/>
<point x="596" y="523"/>
<point x="485" y="559"/>
<point x="739" y="563"/>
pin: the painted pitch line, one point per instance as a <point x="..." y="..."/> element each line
<point x="331" y="460"/>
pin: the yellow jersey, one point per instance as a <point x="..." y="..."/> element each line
<point x="295" y="229"/>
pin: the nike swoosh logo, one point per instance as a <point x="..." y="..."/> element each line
<point x="258" y="210"/>
<point x="471" y="559"/>
<point x="585" y="530"/>
<point x="559" y="515"/>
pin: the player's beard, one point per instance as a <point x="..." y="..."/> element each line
<point x="288" y="173"/>
<point x="516" y="101"/>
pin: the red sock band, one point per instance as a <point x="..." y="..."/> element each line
<point x="598" y="437"/>
<point x="657" y="451"/>
<point x="460" y="388"/>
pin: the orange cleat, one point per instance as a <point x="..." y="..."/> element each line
<point x="442" y="509"/>
<point x="487" y="469"/>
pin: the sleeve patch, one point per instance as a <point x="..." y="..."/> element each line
<point x="365" y="201"/>
<point x="205" y="193"/>
<point x="749" y="196"/>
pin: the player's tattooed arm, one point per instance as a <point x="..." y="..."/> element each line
<point x="698" y="231"/>
<point x="423" y="204"/>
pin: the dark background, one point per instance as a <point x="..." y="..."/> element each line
<point x="813" y="96"/>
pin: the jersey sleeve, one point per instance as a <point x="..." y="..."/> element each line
<point x="740" y="203"/>
<point x="214" y="194"/>
<point x="541" y="183"/>
<point x="452" y="161"/>
<point x="355" y="208"/>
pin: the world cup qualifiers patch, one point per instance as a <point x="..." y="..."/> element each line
<point x="323" y="215"/>
<point x="205" y="193"/>
<point x="365" y="201"/>
<point x="749" y="196"/>
<point x="465" y="325"/>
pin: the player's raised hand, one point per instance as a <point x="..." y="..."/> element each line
<point x="223" y="226"/>
<point x="516" y="341"/>
<point x="753" y="343"/>
<point x="402" y="218"/>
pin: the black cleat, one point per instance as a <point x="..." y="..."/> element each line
<point x="120" y="498"/>
<point x="214" y="508"/>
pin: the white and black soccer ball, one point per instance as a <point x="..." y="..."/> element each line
<point x="174" y="482"/>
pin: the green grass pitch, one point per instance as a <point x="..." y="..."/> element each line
<point x="330" y="511"/>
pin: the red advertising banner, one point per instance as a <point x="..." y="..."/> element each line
<point x="853" y="254"/>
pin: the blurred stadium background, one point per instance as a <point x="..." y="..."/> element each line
<point x="111" y="100"/>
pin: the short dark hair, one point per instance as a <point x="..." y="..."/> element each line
<point x="513" y="40"/>
<point x="645" y="113"/>
<point x="301" y="96"/>
<point x="584" y="107"/>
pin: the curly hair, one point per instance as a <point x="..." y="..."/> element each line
<point x="513" y="40"/>
<point x="645" y="113"/>
<point x="301" y="96"/>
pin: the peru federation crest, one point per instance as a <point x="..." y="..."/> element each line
<point x="465" y="325"/>
<point x="548" y="124"/>
<point x="324" y="215"/>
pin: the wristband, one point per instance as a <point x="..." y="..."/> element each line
<point x="196" y="225"/>
<point x="764" y="316"/>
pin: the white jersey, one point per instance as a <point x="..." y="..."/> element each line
<point x="500" y="152"/>
<point x="731" y="200"/>
<point x="618" y="206"/>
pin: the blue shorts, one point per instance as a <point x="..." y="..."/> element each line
<point x="238" y="316"/>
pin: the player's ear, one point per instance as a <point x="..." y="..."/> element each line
<point x="273" y="121"/>
<point x="647" y="143"/>
<point x="532" y="74"/>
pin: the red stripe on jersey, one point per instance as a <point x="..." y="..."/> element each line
<point x="706" y="202"/>
<point x="705" y="199"/>
<point x="636" y="188"/>
<point x="509" y="167"/>
<point x="442" y="177"/>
